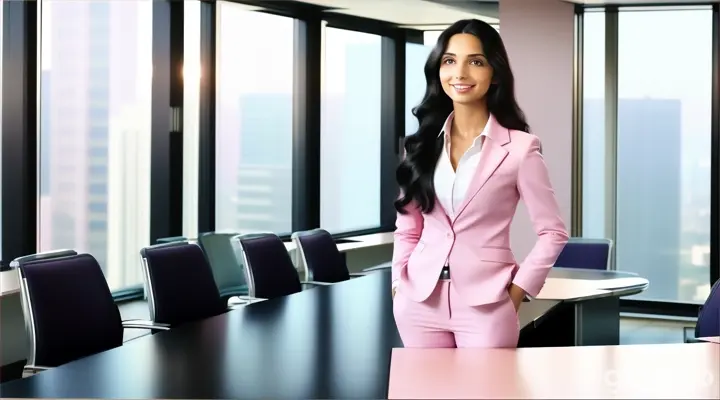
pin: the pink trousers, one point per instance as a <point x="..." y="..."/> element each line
<point x="443" y="320"/>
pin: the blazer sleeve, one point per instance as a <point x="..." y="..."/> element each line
<point x="536" y="191"/>
<point x="408" y="228"/>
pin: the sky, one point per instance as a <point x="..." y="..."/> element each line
<point x="664" y="55"/>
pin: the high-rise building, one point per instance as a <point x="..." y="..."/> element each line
<point x="94" y="82"/>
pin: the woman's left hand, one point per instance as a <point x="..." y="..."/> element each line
<point x="517" y="295"/>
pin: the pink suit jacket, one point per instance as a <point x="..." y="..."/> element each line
<point x="477" y="241"/>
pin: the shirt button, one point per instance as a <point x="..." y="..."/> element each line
<point x="449" y="235"/>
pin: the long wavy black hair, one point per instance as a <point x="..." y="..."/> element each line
<point x="415" y="173"/>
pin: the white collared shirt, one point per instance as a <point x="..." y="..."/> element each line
<point x="451" y="185"/>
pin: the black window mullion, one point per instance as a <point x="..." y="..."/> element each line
<point x="19" y="128"/>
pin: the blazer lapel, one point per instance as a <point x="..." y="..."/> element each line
<point x="443" y="214"/>
<point x="491" y="156"/>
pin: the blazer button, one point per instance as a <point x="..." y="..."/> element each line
<point x="449" y="235"/>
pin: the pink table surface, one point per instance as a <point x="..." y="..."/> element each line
<point x="669" y="371"/>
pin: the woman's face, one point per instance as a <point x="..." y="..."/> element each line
<point x="465" y="72"/>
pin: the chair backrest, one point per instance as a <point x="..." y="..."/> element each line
<point x="708" y="323"/>
<point x="171" y="239"/>
<point x="15" y="264"/>
<point x="71" y="309"/>
<point x="321" y="257"/>
<point x="180" y="283"/>
<point x="269" y="271"/>
<point x="586" y="253"/>
<point x="227" y="269"/>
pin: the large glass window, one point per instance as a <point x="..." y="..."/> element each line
<point x="663" y="151"/>
<point x="350" y="135"/>
<point x="192" y="76"/>
<point x="254" y="82"/>
<point x="594" y="156"/>
<point x="94" y="139"/>
<point x="415" y="57"/>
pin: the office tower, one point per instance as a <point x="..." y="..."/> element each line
<point x="96" y="75"/>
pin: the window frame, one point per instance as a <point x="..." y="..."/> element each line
<point x="611" y="104"/>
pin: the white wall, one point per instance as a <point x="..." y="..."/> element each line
<point x="539" y="37"/>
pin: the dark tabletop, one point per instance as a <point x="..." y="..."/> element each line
<point x="327" y="342"/>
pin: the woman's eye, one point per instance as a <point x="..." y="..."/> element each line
<point x="477" y="62"/>
<point x="448" y="61"/>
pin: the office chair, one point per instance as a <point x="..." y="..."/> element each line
<point x="16" y="263"/>
<point x="586" y="253"/>
<point x="269" y="271"/>
<point x="70" y="310"/>
<point x="321" y="258"/>
<point x="708" y="322"/>
<point x="227" y="269"/>
<point x="180" y="283"/>
<point x="171" y="240"/>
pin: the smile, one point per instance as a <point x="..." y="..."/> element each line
<point x="462" y="88"/>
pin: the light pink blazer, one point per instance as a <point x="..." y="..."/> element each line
<point x="477" y="241"/>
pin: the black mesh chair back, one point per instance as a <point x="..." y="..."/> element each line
<point x="586" y="253"/>
<point x="321" y="257"/>
<point x="180" y="284"/>
<point x="270" y="272"/>
<point x="708" y="323"/>
<point x="16" y="263"/>
<point x="72" y="310"/>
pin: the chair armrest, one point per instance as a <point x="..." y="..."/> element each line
<point x="689" y="335"/>
<point x="236" y="301"/>
<point x="237" y="306"/>
<point x="30" y="370"/>
<point x="316" y="283"/>
<point x="36" y="368"/>
<point x="359" y="274"/>
<point x="144" y="324"/>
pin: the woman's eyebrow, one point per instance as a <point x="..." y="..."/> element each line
<point x="469" y="55"/>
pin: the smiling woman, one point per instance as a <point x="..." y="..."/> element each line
<point x="473" y="155"/>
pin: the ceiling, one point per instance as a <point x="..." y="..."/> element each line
<point x="438" y="14"/>
<point x="419" y="14"/>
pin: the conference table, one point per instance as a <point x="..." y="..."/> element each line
<point x="589" y="309"/>
<point x="332" y="341"/>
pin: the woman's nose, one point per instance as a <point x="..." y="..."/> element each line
<point x="460" y="72"/>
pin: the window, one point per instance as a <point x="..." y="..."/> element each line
<point x="663" y="151"/>
<point x="254" y="77"/>
<point x="431" y="37"/>
<point x="191" y="116"/>
<point x="350" y="136"/>
<point x="415" y="57"/>
<point x="96" y="52"/>
<point x="594" y="157"/>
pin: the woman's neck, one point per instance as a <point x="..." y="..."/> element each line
<point x="469" y="120"/>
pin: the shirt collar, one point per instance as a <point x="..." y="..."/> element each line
<point x="448" y="125"/>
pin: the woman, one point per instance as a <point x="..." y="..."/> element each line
<point x="455" y="280"/>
